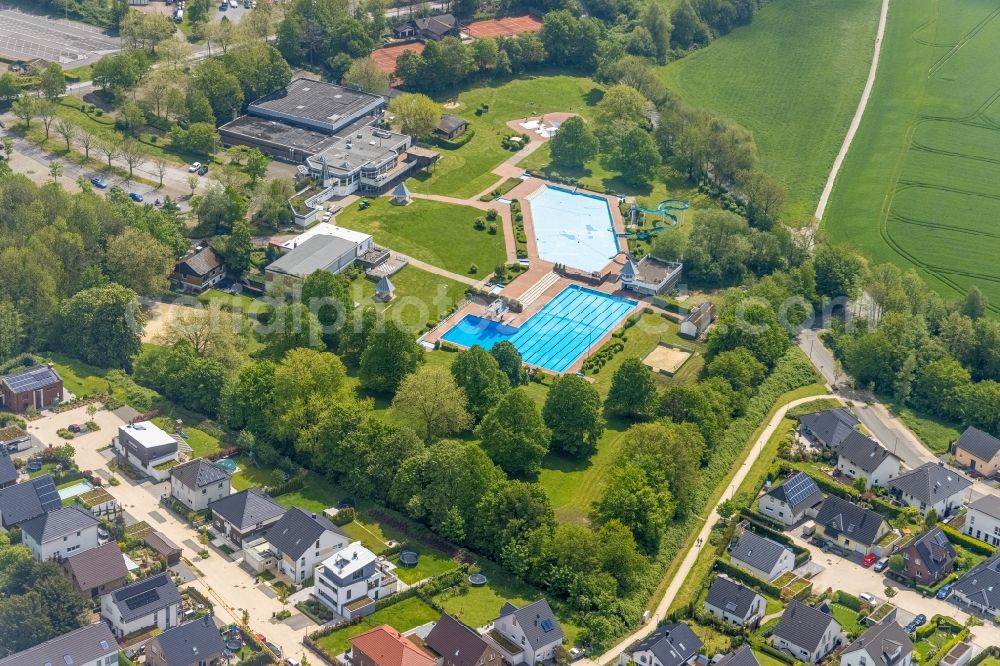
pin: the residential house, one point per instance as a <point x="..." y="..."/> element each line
<point x="850" y="526"/>
<point x="651" y="276"/>
<point x="146" y="448"/>
<point x="669" y="645"/>
<point x="34" y="388"/>
<point x="790" y="501"/>
<point x="861" y="457"/>
<point x="197" y="643"/>
<point x="736" y="603"/>
<point x="164" y="547"/>
<point x="426" y="29"/>
<point x="244" y="515"/>
<point x="982" y="520"/>
<point x="198" y="270"/>
<point x="532" y="629"/>
<point x="351" y="580"/>
<point x="384" y="646"/>
<point x="8" y="473"/>
<point x="198" y="483"/>
<point x="979" y="451"/>
<point x="742" y="657"/>
<point x="928" y="558"/>
<point x="458" y="645"/>
<point x="97" y="571"/>
<point x="979" y="590"/>
<point x="28" y="499"/>
<point x="451" y="126"/>
<point x="60" y="533"/>
<point x="294" y="545"/>
<point x="807" y="633"/>
<point x="885" y="644"/>
<point x="92" y="645"/>
<point x="150" y="602"/>
<point x="828" y="428"/>
<point x="764" y="558"/>
<point x="696" y="322"/>
<point x="931" y="486"/>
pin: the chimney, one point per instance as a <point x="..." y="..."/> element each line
<point x="314" y="516"/>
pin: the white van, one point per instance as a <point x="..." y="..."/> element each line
<point x="179" y="16"/>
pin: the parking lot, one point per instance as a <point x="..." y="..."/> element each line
<point x="26" y="36"/>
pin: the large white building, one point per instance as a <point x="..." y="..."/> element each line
<point x="58" y="534"/>
<point x="351" y="580"/>
<point x="147" y="448"/>
<point x="294" y="545"/>
<point x="324" y="247"/>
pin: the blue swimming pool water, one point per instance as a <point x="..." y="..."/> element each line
<point x="557" y="335"/>
<point x="573" y="228"/>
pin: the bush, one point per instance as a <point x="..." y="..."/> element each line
<point x="291" y="485"/>
<point x="492" y="214"/>
<point x="967" y="542"/>
<point x="749" y="579"/>
<point x="343" y="517"/>
<point x="492" y="229"/>
<point x="479" y="224"/>
<point x="473" y="269"/>
<point x="64" y="433"/>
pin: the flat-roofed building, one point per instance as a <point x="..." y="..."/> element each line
<point x="324" y="107"/>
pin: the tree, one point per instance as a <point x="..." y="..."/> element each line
<point x="11" y="329"/>
<point x="161" y="166"/>
<point x="670" y="454"/>
<point x="838" y="272"/>
<point x="52" y="82"/>
<point x="87" y="139"/>
<point x="975" y="304"/>
<point x="26" y="109"/>
<point x="754" y="326"/>
<point x="628" y="498"/>
<point x="634" y="155"/>
<point x="418" y="115"/>
<point x="633" y="391"/>
<point x="574" y="144"/>
<point x="133" y="155"/>
<point x="55" y="170"/>
<point x="510" y="362"/>
<point x="931" y="519"/>
<point x="514" y="435"/>
<point x="477" y="372"/>
<point x="765" y="198"/>
<point x="210" y="332"/>
<point x="569" y="40"/>
<point x="10" y="88"/>
<point x="573" y="414"/>
<point x="237" y="248"/>
<point x="860" y="484"/>
<point x="110" y="146"/>
<point x="247" y="401"/>
<point x="46" y="112"/>
<point x="136" y="260"/>
<point x="293" y="325"/>
<point x="192" y="181"/>
<point x="432" y="399"/>
<point x="67" y="131"/>
<point x="390" y="354"/>
<point x="896" y="563"/>
<point x="102" y="326"/>
<point x="718" y="247"/>
<point x="365" y="75"/>
<point x="509" y="514"/>
<point x="256" y="165"/>
<point x="222" y="89"/>
<point x="739" y="367"/>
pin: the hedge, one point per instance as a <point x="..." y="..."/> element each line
<point x="285" y="487"/>
<point x="760" y="518"/>
<point x="848" y="600"/>
<point x="990" y="651"/>
<point x="454" y="144"/>
<point x="766" y="531"/>
<point x="343" y="517"/>
<point x="948" y="645"/>
<point x="967" y="542"/>
<point x="768" y="649"/>
<point x="751" y="581"/>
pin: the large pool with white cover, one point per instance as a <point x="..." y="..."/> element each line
<point x="557" y="335"/>
<point x="573" y="228"/>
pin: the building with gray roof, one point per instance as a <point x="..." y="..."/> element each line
<point x="245" y="514"/>
<point x="979" y="590"/>
<point x="885" y="644"/>
<point x="850" y="526"/>
<point x="733" y="602"/>
<point x="459" y="645"/>
<point x="87" y="646"/>
<point x="532" y="628"/>
<point x="197" y="483"/>
<point x="807" y="633"/>
<point x="8" y="473"/>
<point x="28" y="499"/>
<point x="669" y="645"/>
<point x="791" y="500"/>
<point x="99" y="570"/>
<point x="196" y="643"/>
<point x="294" y="545"/>
<point x="927" y="558"/>
<point x="931" y="486"/>
<point x="37" y="387"/>
<point x="150" y="602"/>
<point x="983" y="519"/>
<point x="979" y="451"/>
<point x="742" y="657"/>
<point x="146" y="447"/>
<point x="827" y="428"/>
<point x="317" y="105"/>
<point x="764" y="558"/>
<point x="861" y="457"/>
<point x="57" y="534"/>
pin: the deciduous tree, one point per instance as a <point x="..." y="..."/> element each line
<point x="433" y="401"/>
<point x="573" y="414"/>
<point x="633" y="391"/>
<point x="513" y="434"/>
<point x="478" y="374"/>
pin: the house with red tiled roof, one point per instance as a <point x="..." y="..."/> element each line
<point x="384" y="646"/>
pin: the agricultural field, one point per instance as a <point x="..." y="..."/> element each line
<point x="921" y="184"/>
<point x="794" y="77"/>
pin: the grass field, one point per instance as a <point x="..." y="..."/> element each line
<point x="921" y="185"/>
<point x="403" y="616"/>
<point x="420" y="296"/>
<point x="438" y="233"/>
<point x="794" y="77"/>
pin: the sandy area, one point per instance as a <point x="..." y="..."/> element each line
<point x="666" y="359"/>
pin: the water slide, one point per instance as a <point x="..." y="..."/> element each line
<point x="666" y="209"/>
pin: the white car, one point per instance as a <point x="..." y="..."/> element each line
<point x="194" y="167"/>
<point x="867" y="598"/>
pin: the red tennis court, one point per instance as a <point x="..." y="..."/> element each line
<point x="503" y="27"/>
<point x="385" y="58"/>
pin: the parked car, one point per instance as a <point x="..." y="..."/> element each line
<point x="882" y="563"/>
<point x="194" y="167"/>
<point x="920" y="620"/>
<point x="203" y="169"/>
<point x="944" y="591"/>
<point x="75" y="427"/>
<point x="868" y="598"/>
<point x="246" y="4"/>
<point x="135" y="196"/>
<point x="274" y="648"/>
<point x="868" y="561"/>
<point x="97" y="181"/>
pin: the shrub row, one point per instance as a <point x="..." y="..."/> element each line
<point x="848" y="600"/>
<point x="965" y="541"/>
<point x="454" y="144"/>
<point x="293" y="484"/>
<point x="607" y="351"/>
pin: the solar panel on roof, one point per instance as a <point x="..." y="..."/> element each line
<point x="47" y="493"/>
<point x="547" y="625"/>
<point x="798" y="488"/>
<point x="142" y="599"/>
<point x="30" y="380"/>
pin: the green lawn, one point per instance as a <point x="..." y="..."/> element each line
<point x="921" y="184"/>
<point x="80" y="379"/>
<point x="438" y="233"/>
<point x="765" y="659"/>
<point x="421" y="298"/>
<point x="201" y="443"/>
<point x="794" y="77"/>
<point x="432" y="563"/>
<point x="847" y="618"/>
<point x="402" y="616"/>
<point x="937" y="435"/>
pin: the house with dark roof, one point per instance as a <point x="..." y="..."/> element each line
<point x="792" y="500"/>
<point x="927" y="558"/>
<point x="294" y="545"/>
<point x="28" y="499"/>
<point x="979" y="590"/>
<point x="850" y="526"/>
<point x="931" y="486"/>
<point x="244" y="515"/>
<point x="97" y="571"/>
<point x="669" y="645"/>
<point x="451" y="126"/>
<point x="37" y="387"/>
<point x="197" y="483"/>
<point x="762" y="557"/>
<point x="828" y="428"/>
<point x="806" y="633"/>
<point x="532" y="629"/>
<point x="8" y="473"/>
<point x="885" y="644"/>
<point x="459" y="645"/>
<point x="198" y="270"/>
<point x="979" y="451"/>
<point x="982" y="521"/>
<point x="861" y="457"/>
<point x="147" y="448"/>
<point x="651" y="276"/>
<point x="150" y="602"/>
<point x="427" y="29"/>
<point x="384" y="646"/>
<point x="59" y="533"/>
<point x="92" y="645"/>
<point x="736" y="603"/>
<point x="197" y="643"/>
<point x="742" y="657"/>
<point x="164" y="547"/>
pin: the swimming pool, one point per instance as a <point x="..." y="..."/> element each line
<point x="79" y="488"/>
<point x="557" y="335"/>
<point x="573" y="228"/>
<point x="227" y="464"/>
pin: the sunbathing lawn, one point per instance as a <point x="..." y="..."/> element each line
<point x="438" y="233"/>
<point x="422" y="297"/>
<point x="403" y="616"/>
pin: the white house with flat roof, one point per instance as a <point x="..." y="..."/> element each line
<point x="325" y="247"/>
<point x="147" y="448"/>
<point x="351" y="580"/>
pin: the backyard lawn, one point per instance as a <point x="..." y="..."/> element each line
<point x="438" y="233"/>
<point x="847" y="618"/>
<point x="765" y="659"/>
<point x="402" y="616"/>
<point x="432" y="563"/>
<point x="201" y="443"/>
<point x="80" y="379"/>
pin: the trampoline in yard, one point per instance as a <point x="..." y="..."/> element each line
<point x="409" y="558"/>
<point x="477" y="579"/>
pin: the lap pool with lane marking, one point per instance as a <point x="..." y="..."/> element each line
<point x="557" y="335"/>
<point x="573" y="228"/>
